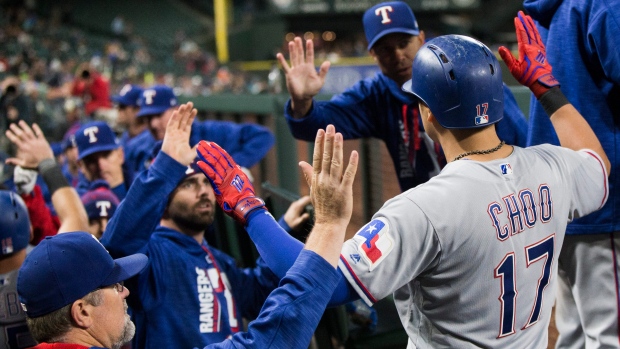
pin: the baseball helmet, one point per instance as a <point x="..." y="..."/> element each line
<point x="460" y="80"/>
<point x="14" y="223"/>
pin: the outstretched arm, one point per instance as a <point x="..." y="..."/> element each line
<point x="139" y="213"/>
<point x="235" y="194"/>
<point x="533" y="70"/>
<point x="34" y="152"/>
<point x="292" y="311"/>
<point x="302" y="80"/>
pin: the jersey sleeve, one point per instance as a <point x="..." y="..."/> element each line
<point x="351" y="113"/>
<point x="590" y="185"/>
<point x="292" y="311"/>
<point x="394" y="248"/>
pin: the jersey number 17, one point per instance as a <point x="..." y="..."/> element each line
<point x="541" y="250"/>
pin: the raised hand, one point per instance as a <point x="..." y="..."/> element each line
<point x="532" y="68"/>
<point x="233" y="190"/>
<point x="302" y="80"/>
<point x="32" y="147"/>
<point x="176" y="138"/>
<point x="331" y="186"/>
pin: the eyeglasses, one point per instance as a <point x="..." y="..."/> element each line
<point x="119" y="287"/>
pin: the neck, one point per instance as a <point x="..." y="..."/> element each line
<point x="13" y="262"/>
<point x="82" y="336"/>
<point x="135" y="128"/>
<point x="197" y="235"/>
<point x="456" y="143"/>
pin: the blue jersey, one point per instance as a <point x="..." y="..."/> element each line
<point x="120" y="190"/>
<point x="378" y="107"/>
<point x="582" y="39"/>
<point x="189" y="295"/>
<point x="246" y="143"/>
<point x="137" y="150"/>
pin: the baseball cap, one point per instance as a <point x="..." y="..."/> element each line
<point x="156" y="100"/>
<point x="99" y="201"/>
<point x="387" y="18"/>
<point x="66" y="267"/>
<point x="129" y="95"/>
<point x="68" y="142"/>
<point x="94" y="137"/>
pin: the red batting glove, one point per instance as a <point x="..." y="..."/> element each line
<point x="233" y="190"/>
<point x="531" y="69"/>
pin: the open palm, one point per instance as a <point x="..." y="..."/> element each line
<point x="302" y="79"/>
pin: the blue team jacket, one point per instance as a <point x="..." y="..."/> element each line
<point x="582" y="39"/>
<point x="246" y="143"/>
<point x="137" y="150"/>
<point x="189" y="295"/>
<point x="378" y="107"/>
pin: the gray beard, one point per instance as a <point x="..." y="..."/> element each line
<point x="129" y="330"/>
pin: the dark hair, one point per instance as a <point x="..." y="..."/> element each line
<point x="85" y="74"/>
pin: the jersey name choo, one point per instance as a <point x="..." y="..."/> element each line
<point x="522" y="210"/>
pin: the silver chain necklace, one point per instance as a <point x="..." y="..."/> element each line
<point x="480" y="152"/>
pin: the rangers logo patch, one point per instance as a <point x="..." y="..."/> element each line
<point x="375" y="241"/>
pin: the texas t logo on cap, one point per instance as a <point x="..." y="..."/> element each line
<point x="383" y="12"/>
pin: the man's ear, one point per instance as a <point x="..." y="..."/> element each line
<point x="422" y="36"/>
<point x="82" y="313"/>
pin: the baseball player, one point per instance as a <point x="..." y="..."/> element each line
<point x="470" y="256"/>
<point x="14" y="236"/>
<point x="378" y="107"/>
<point x="247" y="143"/>
<point x="100" y="156"/>
<point x="189" y="287"/>
<point x="582" y="39"/>
<point x="137" y="141"/>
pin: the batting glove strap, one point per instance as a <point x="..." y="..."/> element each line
<point x="245" y="206"/>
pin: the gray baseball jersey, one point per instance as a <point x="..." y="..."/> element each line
<point x="471" y="255"/>
<point x="14" y="333"/>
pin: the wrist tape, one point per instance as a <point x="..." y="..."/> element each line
<point x="553" y="100"/>
<point x="52" y="175"/>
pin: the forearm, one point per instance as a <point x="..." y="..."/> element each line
<point x="277" y="248"/>
<point x="326" y="240"/>
<point x="280" y="250"/>
<point x="65" y="199"/>
<point x="572" y="129"/>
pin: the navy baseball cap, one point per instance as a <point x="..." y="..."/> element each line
<point x="94" y="137"/>
<point x="68" y="142"/>
<point x="156" y="100"/>
<point x="66" y="267"/>
<point x="129" y="95"/>
<point x="99" y="201"/>
<point x="387" y="18"/>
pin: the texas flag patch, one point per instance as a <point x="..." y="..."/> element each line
<point x="375" y="242"/>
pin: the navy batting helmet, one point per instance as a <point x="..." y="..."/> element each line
<point x="460" y="80"/>
<point x="14" y="223"/>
